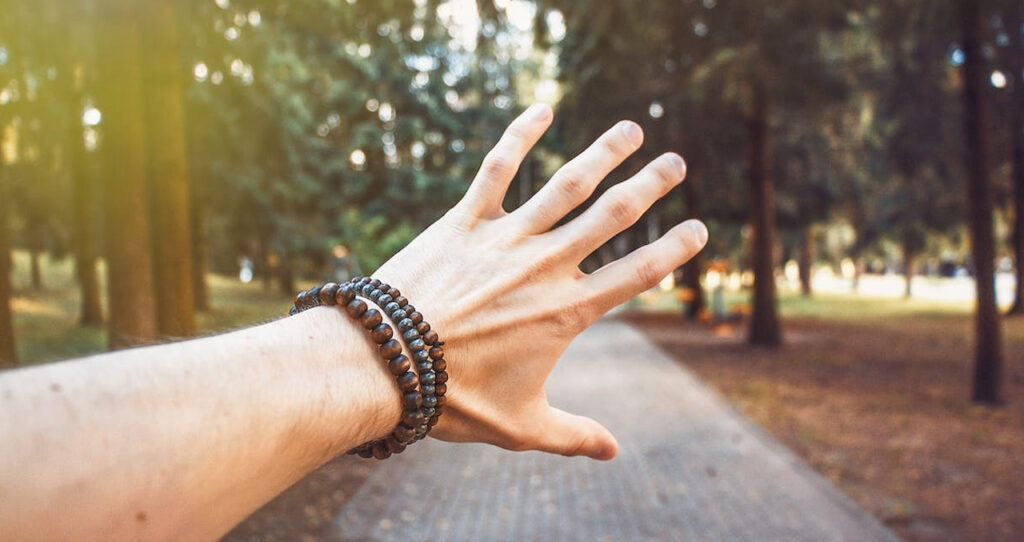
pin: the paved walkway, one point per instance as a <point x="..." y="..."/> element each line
<point x="689" y="469"/>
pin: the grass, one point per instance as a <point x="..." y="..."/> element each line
<point x="874" y="393"/>
<point x="46" y="320"/>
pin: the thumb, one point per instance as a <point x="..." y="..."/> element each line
<point x="572" y="435"/>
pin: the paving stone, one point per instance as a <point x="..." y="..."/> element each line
<point x="689" y="468"/>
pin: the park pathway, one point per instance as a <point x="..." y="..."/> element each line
<point x="689" y="469"/>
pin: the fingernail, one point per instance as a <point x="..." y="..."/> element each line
<point x="633" y="133"/>
<point x="539" y="111"/>
<point x="677" y="162"/>
<point x="700" y="232"/>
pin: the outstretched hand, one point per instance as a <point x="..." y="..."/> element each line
<point x="505" y="291"/>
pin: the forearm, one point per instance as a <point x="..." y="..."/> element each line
<point x="182" y="441"/>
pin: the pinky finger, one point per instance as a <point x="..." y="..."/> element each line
<point x="644" y="268"/>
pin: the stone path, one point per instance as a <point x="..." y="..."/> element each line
<point x="689" y="469"/>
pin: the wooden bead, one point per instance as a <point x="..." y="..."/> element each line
<point x="384" y="299"/>
<point x="293" y="311"/>
<point x="412" y="417"/>
<point x="404" y="324"/>
<point x="440" y="364"/>
<point x="430" y="337"/>
<point x="393" y="292"/>
<point x="420" y="356"/>
<point x="390" y="349"/>
<point x="327" y="293"/>
<point x="440" y="389"/>
<point x="411" y="335"/>
<point x="344" y="295"/>
<point x="424" y="367"/>
<point x="429" y="401"/>
<point x="399" y="365"/>
<point x="436" y="353"/>
<point x="427" y="378"/>
<point x="415" y="316"/>
<point x="375" y="283"/>
<point x="407" y="382"/>
<point x="380" y="451"/>
<point x="438" y="411"/>
<point x="422" y="327"/>
<point x="381" y="334"/>
<point x="440" y="376"/>
<point x="313" y="296"/>
<point x="427" y="390"/>
<point x="401" y="300"/>
<point x="371" y="318"/>
<point x="428" y="412"/>
<point x="416" y="344"/>
<point x="384" y="287"/>
<point x="432" y="422"/>
<point x="356" y="308"/>
<point x="354" y="280"/>
<point x="364" y="280"/>
<point x="404" y="433"/>
<point x="390" y="307"/>
<point x="365" y="453"/>
<point x="441" y="399"/>
<point x="411" y="400"/>
<point x="398" y="315"/>
<point x="366" y="290"/>
<point x="393" y="445"/>
<point x="300" y="300"/>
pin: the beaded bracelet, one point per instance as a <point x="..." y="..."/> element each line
<point x="424" y="343"/>
<point x="420" y="408"/>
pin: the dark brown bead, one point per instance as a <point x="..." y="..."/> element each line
<point x="344" y="295"/>
<point x="399" y="365"/>
<point x="293" y="311"/>
<point x="441" y="400"/>
<point x="401" y="300"/>
<point x="407" y="382"/>
<point x="416" y="317"/>
<point x="380" y="451"/>
<point x="411" y="400"/>
<point x="354" y="280"/>
<point x="356" y="308"/>
<point x="412" y="417"/>
<point x="365" y="453"/>
<point x="440" y="389"/>
<point x="404" y="433"/>
<point x="300" y="300"/>
<point x="313" y="296"/>
<point x="436" y="353"/>
<point x="432" y="422"/>
<point x="428" y="412"/>
<point x="390" y="349"/>
<point x="393" y="292"/>
<point x="371" y="319"/>
<point x="422" y="327"/>
<point x="440" y="364"/>
<point x="438" y="411"/>
<point x="440" y="376"/>
<point x="364" y="280"/>
<point x="327" y="293"/>
<point x="393" y="445"/>
<point x="430" y="337"/>
<point x="381" y="334"/>
<point x="384" y="287"/>
<point x="409" y="309"/>
<point x="375" y="283"/>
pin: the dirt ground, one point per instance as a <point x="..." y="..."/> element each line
<point x="880" y="407"/>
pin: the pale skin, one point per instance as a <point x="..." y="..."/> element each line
<point x="182" y="441"/>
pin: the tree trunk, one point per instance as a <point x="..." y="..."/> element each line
<point x="1016" y="106"/>
<point x="908" y="269"/>
<point x="764" y="322"/>
<point x="35" y="267"/>
<point x="988" y="340"/>
<point x="8" y="350"/>
<point x="167" y="170"/>
<point x="200" y="290"/>
<point x="806" y="262"/>
<point x="693" y="269"/>
<point x="119" y="92"/>
<point x="83" y="176"/>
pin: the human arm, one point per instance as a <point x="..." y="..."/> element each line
<point x="182" y="441"/>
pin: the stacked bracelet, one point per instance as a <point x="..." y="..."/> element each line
<point x="422" y="392"/>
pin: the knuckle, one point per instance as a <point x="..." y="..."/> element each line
<point x="497" y="164"/>
<point x="649" y="273"/>
<point x="666" y="173"/>
<point x="621" y="208"/>
<point x="572" y="185"/>
<point x="616" y="143"/>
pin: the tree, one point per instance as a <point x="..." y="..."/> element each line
<point x="1015" y="21"/>
<point x="988" y="361"/>
<point x="167" y="170"/>
<point x="127" y="235"/>
<point x="8" y="351"/>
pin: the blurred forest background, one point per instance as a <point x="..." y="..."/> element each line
<point x="157" y="155"/>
